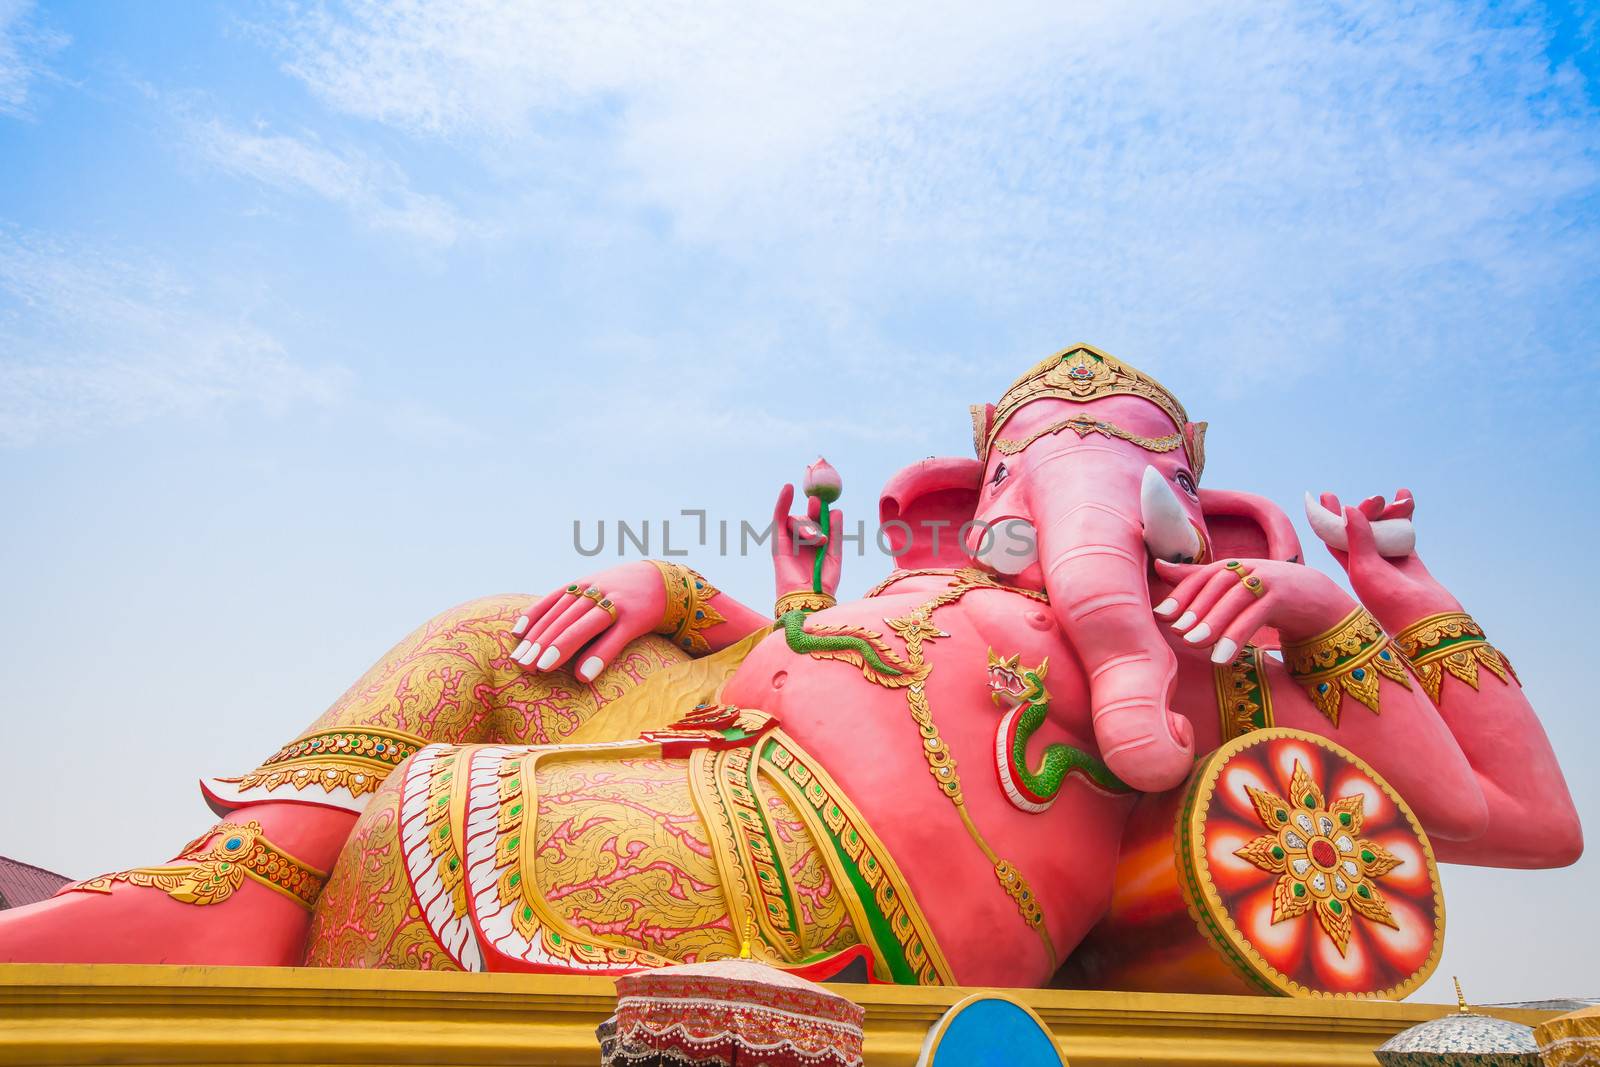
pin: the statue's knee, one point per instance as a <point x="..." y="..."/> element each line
<point x="481" y="611"/>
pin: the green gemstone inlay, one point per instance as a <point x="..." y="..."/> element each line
<point x="1338" y="908"/>
<point x="1299" y="890"/>
<point x="1367" y="856"/>
<point x="1277" y="853"/>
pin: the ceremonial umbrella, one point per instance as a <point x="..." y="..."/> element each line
<point x="1571" y="1040"/>
<point x="726" y="1013"/>
<point x="1462" y="1039"/>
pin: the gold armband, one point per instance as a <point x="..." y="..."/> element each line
<point x="210" y="875"/>
<point x="689" y="612"/>
<point x="357" y="758"/>
<point x="1450" y="642"/>
<point x="802" y="600"/>
<point x="1346" y="659"/>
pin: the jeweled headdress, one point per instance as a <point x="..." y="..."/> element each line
<point x="1080" y="374"/>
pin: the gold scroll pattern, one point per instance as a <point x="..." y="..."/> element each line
<point x="622" y="853"/>
<point x="1244" y="698"/>
<point x="451" y="680"/>
<point x="367" y="916"/>
<point x="612" y="856"/>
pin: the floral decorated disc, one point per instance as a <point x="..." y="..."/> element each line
<point x="1307" y="871"/>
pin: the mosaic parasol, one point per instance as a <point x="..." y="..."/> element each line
<point x="1464" y="1038"/>
<point x="726" y="1013"/>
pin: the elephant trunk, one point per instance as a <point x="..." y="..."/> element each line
<point x="1092" y="551"/>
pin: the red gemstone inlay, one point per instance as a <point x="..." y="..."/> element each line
<point x="1322" y="854"/>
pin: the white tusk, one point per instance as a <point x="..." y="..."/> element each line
<point x="1008" y="547"/>
<point x="1168" y="533"/>
<point x="1394" y="538"/>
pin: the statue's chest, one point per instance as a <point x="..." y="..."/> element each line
<point x="985" y="651"/>
<point x="1012" y="645"/>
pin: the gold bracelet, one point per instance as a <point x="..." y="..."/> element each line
<point x="802" y="600"/>
<point x="1349" y="658"/>
<point x="689" y="613"/>
<point x="1450" y="642"/>
<point x="212" y="875"/>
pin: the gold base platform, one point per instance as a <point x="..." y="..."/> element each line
<point x="112" y="1014"/>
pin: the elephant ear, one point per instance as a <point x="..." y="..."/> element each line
<point x="1246" y="526"/>
<point x="935" y="494"/>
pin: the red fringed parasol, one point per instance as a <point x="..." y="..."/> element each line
<point x="729" y="1013"/>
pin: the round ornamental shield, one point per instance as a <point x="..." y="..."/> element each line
<point x="1307" y="871"/>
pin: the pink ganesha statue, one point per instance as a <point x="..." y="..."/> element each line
<point x="1108" y="730"/>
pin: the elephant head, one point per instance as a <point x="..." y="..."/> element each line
<point x="1087" y="469"/>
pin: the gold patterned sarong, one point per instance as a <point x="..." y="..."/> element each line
<point x="607" y="857"/>
<point x="521" y="821"/>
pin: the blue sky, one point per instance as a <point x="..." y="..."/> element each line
<point x="315" y="320"/>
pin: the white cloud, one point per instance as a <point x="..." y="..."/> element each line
<point x="1284" y="183"/>
<point x="24" y="49"/>
<point x="375" y="191"/>
<point x="89" y="340"/>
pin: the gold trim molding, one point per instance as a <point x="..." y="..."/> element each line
<point x="59" y="1014"/>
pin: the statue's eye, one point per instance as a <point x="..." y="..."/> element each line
<point x="1185" y="482"/>
<point x="1000" y="475"/>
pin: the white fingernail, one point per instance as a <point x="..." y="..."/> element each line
<point x="1198" y="634"/>
<point x="590" y="668"/>
<point x="1224" y="651"/>
<point x="527" y="657"/>
<point x="517" y="655"/>
<point x="1185" y="621"/>
<point x="520" y="625"/>
<point x="1167" y="607"/>
<point x="551" y="654"/>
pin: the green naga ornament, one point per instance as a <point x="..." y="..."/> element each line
<point x="1020" y="691"/>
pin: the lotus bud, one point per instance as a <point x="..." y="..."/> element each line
<point x="822" y="481"/>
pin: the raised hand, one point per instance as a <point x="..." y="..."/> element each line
<point x="596" y="616"/>
<point x="1392" y="531"/>
<point x="1375" y="542"/>
<point x="796" y="540"/>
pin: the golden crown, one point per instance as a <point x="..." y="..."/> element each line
<point x="1082" y="373"/>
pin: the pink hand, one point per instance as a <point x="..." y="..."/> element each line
<point x="1213" y="607"/>
<point x="628" y="601"/>
<point x="1397" y="591"/>
<point x="796" y="541"/>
